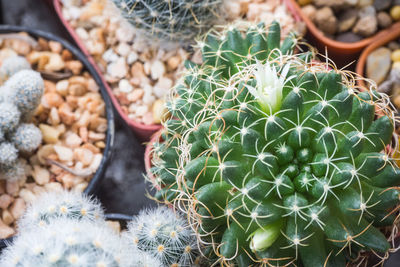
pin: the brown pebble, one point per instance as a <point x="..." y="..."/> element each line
<point x="5" y="230"/>
<point x="12" y="188"/>
<point x="17" y="208"/>
<point x="7" y="217"/>
<point x="5" y="201"/>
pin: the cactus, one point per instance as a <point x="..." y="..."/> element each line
<point x="143" y="259"/>
<point x="163" y="235"/>
<point x="9" y="116"/>
<point x="276" y="158"/>
<point x="65" y="242"/>
<point x="65" y="204"/>
<point x="177" y="20"/>
<point x="27" y="137"/>
<point x="19" y="98"/>
<point x="25" y="90"/>
<point x="12" y="65"/>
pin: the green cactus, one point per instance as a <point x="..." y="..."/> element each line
<point x="9" y="116"/>
<point x="276" y="158"/>
<point x="177" y="20"/>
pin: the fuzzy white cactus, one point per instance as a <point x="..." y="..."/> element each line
<point x="69" y="205"/>
<point x="67" y="242"/>
<point x="164" y="235"/>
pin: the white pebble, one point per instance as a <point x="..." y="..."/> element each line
<point x="123" y="49"/>
<point x="117" y="69"/>
<point x="110" y="56"/>
<point x="132" y="57"/>
<point x="125" y="86"/>
<point x="82" y="33"/>
<point x="64" y="153"/>
<point x="157" y="70"/>
<point x="141" y="110"/>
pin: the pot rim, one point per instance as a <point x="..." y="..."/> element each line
<point x="361" y="64"/>
<point x="98" y="176"/>
<point x="317" y="33"/>
<point x="142" y="130"/>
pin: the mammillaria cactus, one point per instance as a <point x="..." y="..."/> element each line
<point x="65" y="204"/>
<point x="178" y="20"/>
<point x="66" y="242"/>
<point x="19" y="97"/>
<point x="165" y="236"/>
<point x="276" y="158"/>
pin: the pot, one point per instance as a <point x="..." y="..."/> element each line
<point x="142" y="131"/>
<point x="341" y="53"/>
<point x="98" y="176"/>
<point x="361" y="64"/>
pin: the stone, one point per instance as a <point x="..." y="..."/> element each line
<point x="125" y="86"/>
<point x="7" y="217"/>
<point x="393" y="45"/>
<point x="40" y="175"/>
<point x="5" y="230"/>
<point x="159" y="110"/>
<point x="348" y="37"/>
<point x="304" y="2"/>
<point x="110" y="55"/>
<point x="395" y="13"/>
<point x="384" y="19"/>
<point x="367" y="11"/>
<point x="157" y="69"/>
<point x="326" y="20"/>
<point x="132" y="57"/>
<point x="50" y="134"/>
<point x="366" y="26"/>
<point x="117" y="69"/>
<point x="141" y="110"/>
<point x="328" y="3"/>
<point x="396" y="55"/>
<point x="173" y="63"/>
<point x="382" y="4"/>
<point x="135" y="95"/>
<point x="17" y="209"/>
<point x="351" y="2"/>
<point x="378" y="64"/>
<point x="63" y="153"/>
<point x="309" y="11"/>
<point x="364" y="3"/>
<point x="162" y="87"/>
<point x="347" y="20"/>
<point x="5" y="201"/>
<point x="123" y="49"/>
<point x="27" y="195"/>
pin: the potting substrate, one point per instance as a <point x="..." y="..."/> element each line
<point x="257" y="149"/>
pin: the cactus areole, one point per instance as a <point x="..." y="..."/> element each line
<point x="277" y="159"/>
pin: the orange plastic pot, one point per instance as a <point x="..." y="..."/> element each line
<point x="142" y="131"/>
<point x="391" y="35"/>
<point x="341" y="53"/>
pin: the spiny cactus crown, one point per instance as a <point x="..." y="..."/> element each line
<point x="165" y="236"/>
<point x="65" y="204"/>
<point x="276" y="158"/>
<point x="177" y="20"/>
<point x="65" y="242"/>
<point x="19" y="97"/>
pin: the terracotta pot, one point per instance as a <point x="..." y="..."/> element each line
<point x="341" y="53"/>
<point x="142" y="131"/>
<point x="392" y="35"/>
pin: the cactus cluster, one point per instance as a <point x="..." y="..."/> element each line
<point x="69" y="229"/>
<point x="20" y="95"/>
<point x="165" y="236"/>
<point x="277" y="159"/>
<point x="176" y="20"/>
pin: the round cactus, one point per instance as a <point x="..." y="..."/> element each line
<point x="8" y="153"/>
<point x="143" y="259"/>
<point x="53" y="205"/>
<point x="165" y="236"/>
<point x="65" y="242"/>
<point x="12" y="65"/>
<point x="276" y="158"/>
<point x="178" y="20"/>
<point x="26" y="89"/>
<point x="14" y="171"/>
<point x="9" y="116"/>
<point x="27" y="137"/>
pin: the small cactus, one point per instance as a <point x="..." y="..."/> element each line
<point x="25" y="90"/>
<point x="165" y="236"/>
<point x="9" y="116"/>
<point x="177" y="20"/>
<point x="27" y="137"/>
<point x="65" y="204"/>
<point x="66" y="242"/>
<point x="277" y="159"/>
<point x="12" y="65"/>
<point x="19" y="98"/>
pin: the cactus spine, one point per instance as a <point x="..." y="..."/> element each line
<point x="277" y="159"/>
<point x="177" y="20"/>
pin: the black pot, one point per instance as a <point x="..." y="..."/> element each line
<point x="96" y="180"/>
<point x="121" y="218"/>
